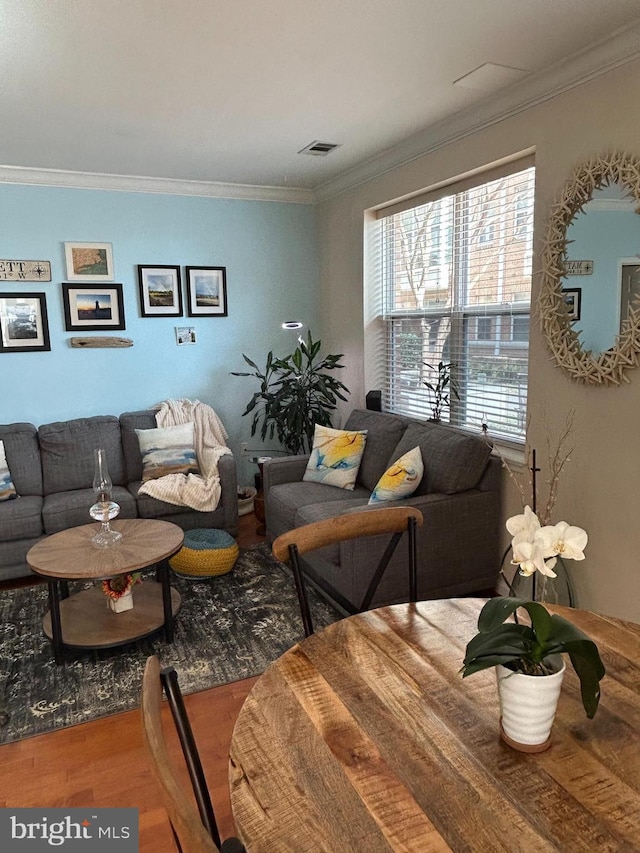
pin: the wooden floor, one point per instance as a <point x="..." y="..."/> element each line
<point x="104" y="763"/>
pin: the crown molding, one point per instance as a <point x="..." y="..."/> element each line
<point x="586" y="65"/>
<point x="169" y="186"/>
<point x="611" y="53"/>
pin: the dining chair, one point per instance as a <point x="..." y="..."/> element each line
<point x="395" y="520"/>
<point x="194" y="830"/>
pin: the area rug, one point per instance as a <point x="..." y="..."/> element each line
<point x="228" y="628"/>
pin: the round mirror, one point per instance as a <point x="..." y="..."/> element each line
<point x="590" y="292"/>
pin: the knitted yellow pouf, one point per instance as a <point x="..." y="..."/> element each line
<point x="205" y="554"/>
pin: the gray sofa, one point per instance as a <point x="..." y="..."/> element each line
<point x="52" y="468"/>
<point x="459" y="496"/>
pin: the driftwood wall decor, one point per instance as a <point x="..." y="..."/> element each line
<point x="86" y="343"/>
<point x="603" y="368"/>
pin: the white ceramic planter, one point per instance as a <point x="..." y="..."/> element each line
<point x="119" y="605"/>
<point x="528" y="706"/>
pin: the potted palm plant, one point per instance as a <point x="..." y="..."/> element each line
<point x="530" y="668"/>
<point x="296" y="393"/>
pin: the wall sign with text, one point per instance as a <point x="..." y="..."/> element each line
<point x="25" y="270"/>
<point x="578" y="267"/>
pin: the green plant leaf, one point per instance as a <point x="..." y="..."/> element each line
<point x="548" y="634"/>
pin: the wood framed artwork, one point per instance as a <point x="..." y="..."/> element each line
<point x="572" y="297"/>
<point x="160" y="292"/>
<point x="206" y="291"/>
<point x="89" y="261"/>
<point x="93" y="308"/>
<point x="23" y="322"/>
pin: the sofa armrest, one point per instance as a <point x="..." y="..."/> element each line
<point x="286" y="469"/>
<point x="229" y="490"/>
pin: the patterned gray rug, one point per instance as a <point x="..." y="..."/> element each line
<point x="228" y="628"/>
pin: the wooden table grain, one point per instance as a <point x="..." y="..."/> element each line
<point x="364" y="737"/>
<point x="83" y="620"/>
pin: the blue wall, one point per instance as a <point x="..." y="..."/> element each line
<point x="268" y="248"/>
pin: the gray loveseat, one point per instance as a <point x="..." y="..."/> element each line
<point x="459" y="496"/>
<point x="52" y="468"/>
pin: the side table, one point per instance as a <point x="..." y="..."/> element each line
<point x="258" y="501"/>
<point x="83" y="620"/>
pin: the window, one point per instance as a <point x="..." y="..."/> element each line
<point x="469" y="306"/>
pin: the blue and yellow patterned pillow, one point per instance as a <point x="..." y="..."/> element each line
<point x="335" y="456"/>
<point x="7" y="489"/>
<point x="400" y="479"/>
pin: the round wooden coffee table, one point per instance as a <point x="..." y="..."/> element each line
<point x="84" y="620"/>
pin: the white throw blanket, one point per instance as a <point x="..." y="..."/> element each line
<point x="198" y="491"/>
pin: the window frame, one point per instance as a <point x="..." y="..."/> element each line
<point x="458" y="311"/>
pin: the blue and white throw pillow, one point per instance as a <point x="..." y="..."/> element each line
<point x="167" y="450"/>
<point x="7" y="489"/>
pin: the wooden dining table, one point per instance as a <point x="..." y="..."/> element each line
<point x="365" y="737"/>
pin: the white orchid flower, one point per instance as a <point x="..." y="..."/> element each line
<point x="529" y="556"/>
<point x="563" y="540"/>
<point x="524" y="525"/>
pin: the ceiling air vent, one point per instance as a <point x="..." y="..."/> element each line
<point x="319" y="149"/>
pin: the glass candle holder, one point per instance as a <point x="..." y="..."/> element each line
<point x="104" y="509"/>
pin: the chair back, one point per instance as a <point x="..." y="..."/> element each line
<point x="394" y="520"/>
<point x="194" y="832"/>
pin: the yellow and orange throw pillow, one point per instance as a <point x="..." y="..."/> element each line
<point x="400" y="479"/>
<point x="335" y="456"/>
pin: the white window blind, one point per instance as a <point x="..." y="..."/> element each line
<point x="453" y="285"/>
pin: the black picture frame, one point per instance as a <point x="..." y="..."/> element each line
<point x="206" y="291"/>
<point x="24" y="325"/>
<point x="93" y="307"/>
<point x="160" y="290"/>
<point x="572" y="297"/>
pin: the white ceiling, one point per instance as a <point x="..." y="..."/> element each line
<point x="230" y="90"/>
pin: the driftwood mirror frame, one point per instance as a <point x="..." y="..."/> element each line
<point x="605" y="368"/>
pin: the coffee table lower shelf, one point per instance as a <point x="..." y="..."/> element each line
<point x="88" y="623"/>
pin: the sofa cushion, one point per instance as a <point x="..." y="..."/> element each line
<point x="335" y="457"/>
<point x="7" y="489"/>
<point x="329" y="509"/>
<point x="21" y="519"/>
<point x="453" y="461"/>
<point x="286" y="499"/>
<point x="401" y="478"/>
<point x="71" y="509"/>
<point x="384" y="431"/>
<point x="129" y="423"/>
<point x="167" y="450"/>
<point x="23" y="457"/>
<point x="67" y="452"/>
<point x="149" y="507"/>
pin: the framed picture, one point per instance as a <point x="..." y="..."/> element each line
<point x="23" y="322"/>
<point x="89" y="261"/>
<point x="160" y="293"/>
<point x="185" y="335"/>
<point x="207" y="291"/>
<point x="93" y="308"/>
<point x="572" y="297"/>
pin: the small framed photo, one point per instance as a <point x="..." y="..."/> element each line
<point x="23" y="322"/>
<point x="207" y="291"/>
<point x="93" y="308"/>
<point x="572" y="297"/>
<point x="160" y="292"/>
<point x="89" y="261"/>
<point x="185" y="335"/>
